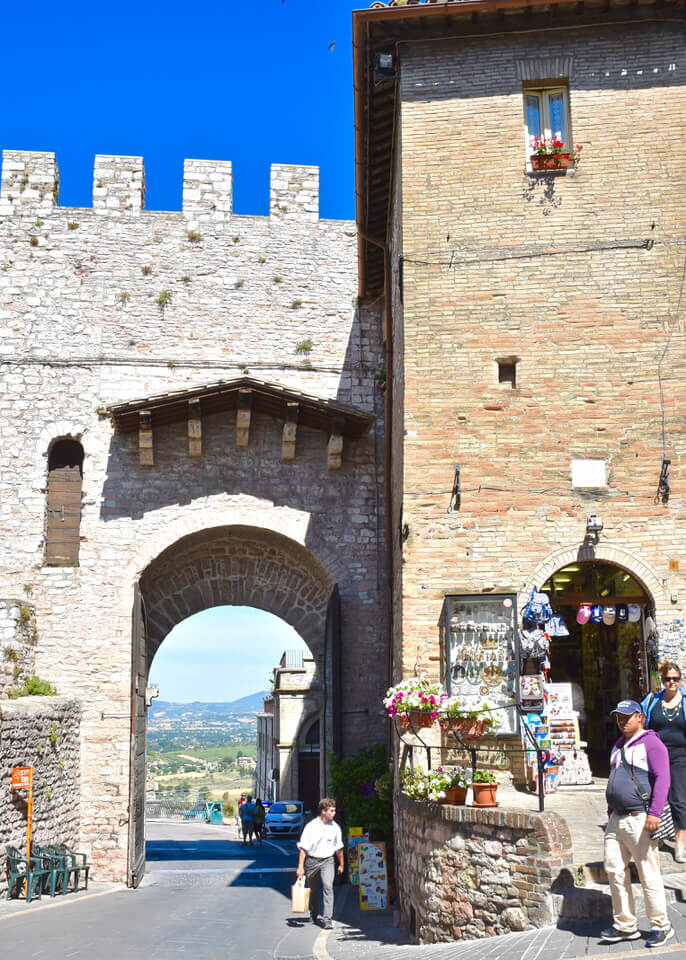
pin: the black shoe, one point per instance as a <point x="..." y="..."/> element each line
<point x="327" y="924"/>
<point x="313" y="918"/>
<point x="613" y="935"/>
<point x="657" y="937"/>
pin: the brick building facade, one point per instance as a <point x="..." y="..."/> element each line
<point x="534" y="332"/>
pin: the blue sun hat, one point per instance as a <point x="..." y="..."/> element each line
<point x="627" y="707"/>
<point x="596" y="613"/>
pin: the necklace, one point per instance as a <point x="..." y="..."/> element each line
<point x="671" y="713"/>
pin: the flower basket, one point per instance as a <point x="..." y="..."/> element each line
<point x="456" y="795"/>
<point x="467" y="726"/>
<point x="550" y="161"/>
<point x="416" y="719"/>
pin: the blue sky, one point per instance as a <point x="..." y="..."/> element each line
<point x="221" y="654"/>
<point x="253" y="82"/>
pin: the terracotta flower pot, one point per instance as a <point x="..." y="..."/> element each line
<point x="550" y="161"/>
<point x="456" y="795"/>
<point x="467" y="726"/>
<point x="484" y="794"/>
<point x="416" y="719"/>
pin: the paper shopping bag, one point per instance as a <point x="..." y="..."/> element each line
<point x="300" y="896"/>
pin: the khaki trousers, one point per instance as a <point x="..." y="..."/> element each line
<point x="626" y="840"/>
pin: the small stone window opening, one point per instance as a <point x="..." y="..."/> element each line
<point x="63" y="519"/>
<point x="507" y="371"/>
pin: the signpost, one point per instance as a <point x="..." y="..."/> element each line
<point x="22" y="779"/>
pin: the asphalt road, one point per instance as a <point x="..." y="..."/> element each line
<point x="203" y="896"/>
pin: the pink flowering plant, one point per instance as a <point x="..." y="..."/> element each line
<point x="415" y="693"/>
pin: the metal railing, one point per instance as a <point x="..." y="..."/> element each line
<point x="175" y="808"/>
<point x="463" y="745"/>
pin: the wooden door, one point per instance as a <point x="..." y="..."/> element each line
<point x="136" y="864"/>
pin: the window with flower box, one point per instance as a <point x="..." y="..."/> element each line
<point x="547" y="124"/>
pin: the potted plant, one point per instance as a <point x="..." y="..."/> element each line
<point x="455" y="782"/>
<point x="464" y="717"/>
<point x="435" y="786"/>
<point x="484" y="786"/>
<point x="551" y="154"/>
<point x="415" y="701"/>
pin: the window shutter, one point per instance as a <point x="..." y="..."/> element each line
<point x="65" y="475"/>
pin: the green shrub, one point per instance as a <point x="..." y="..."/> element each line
<point x="363" y="788"/>
<point x="32" y="687"/>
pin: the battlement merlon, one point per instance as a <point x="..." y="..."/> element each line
<point x="30" y="182"/>
<point x="118" y="185"/>
<point x="294" y="192"/>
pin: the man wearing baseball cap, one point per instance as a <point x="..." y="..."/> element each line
<point x="636" y="794"/>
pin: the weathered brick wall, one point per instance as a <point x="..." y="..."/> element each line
<point x="470" y="873"/>
<point x="486" y="276"/>
<point x="83" y="328"/>
<point x="18" y="638"/>
<point x="43" y="733"/>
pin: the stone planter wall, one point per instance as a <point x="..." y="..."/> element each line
<point x="41" y="732"/>
<point x="465" y="873"/>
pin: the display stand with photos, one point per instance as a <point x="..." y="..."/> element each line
<point x="556" y="730"/>
<point x="481" y="654"/>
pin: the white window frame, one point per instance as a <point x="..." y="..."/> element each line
<point x="544" y="92"/>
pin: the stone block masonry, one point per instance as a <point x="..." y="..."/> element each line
<point x="43" y="733"/>
<point x="18" y="638"/>
<point x="468" y="874"/>
<point x="116" y="303"/>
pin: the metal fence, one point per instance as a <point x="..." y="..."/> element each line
<point x="175" y="808"/>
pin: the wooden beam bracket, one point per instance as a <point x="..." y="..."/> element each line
<point x="243" y="414"/>
<point x="145" y="448"/>
<point x="335" y="448"/>
<point x="194" y="429"/>
<point x="290" y="428"/>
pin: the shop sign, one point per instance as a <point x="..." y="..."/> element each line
<point x="21" y="778"/>
<point x="373" y="876"/>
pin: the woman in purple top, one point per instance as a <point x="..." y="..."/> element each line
<point x="666" y="715"/>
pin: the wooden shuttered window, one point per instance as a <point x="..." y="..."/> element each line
<point x="65" y="476"/>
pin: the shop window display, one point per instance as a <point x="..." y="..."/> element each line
<point x="481" y="654"/>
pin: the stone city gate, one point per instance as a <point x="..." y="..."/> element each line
<point x="207" y="387"/>
<point x="232" y="566"/>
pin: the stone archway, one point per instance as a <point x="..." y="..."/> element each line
<point x="221" y="566"/>
<point x="236" y="565"/>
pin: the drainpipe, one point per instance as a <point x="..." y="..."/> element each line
<point x="388" y="343"/>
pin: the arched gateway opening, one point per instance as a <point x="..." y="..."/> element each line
<point x="229" y="566"/>
<point x="601" y="646"/>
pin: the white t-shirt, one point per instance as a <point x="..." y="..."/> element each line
<point x="321" y="839"/>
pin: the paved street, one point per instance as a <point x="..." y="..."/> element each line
<point x="202" y="896"/>
<point x="205" y="895"/>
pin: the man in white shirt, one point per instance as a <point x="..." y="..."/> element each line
<point x="320" y="841"/>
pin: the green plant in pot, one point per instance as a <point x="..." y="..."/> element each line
<point x="484" y="786"/>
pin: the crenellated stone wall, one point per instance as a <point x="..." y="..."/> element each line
<point x="43" y="733"/>
<point x="115" y="303"/>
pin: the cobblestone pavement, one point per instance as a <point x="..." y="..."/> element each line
<point x="358" y="936"/>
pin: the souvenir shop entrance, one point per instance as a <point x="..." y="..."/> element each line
<point x="598" y="646"/>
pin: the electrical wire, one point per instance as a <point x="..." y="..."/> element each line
<point x="530" y="255"/>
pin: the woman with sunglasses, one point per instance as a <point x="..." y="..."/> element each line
<point x="666" y="715"/>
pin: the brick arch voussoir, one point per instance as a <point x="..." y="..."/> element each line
<point x="609" y="553"/>
<point x="220" y="567"/>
